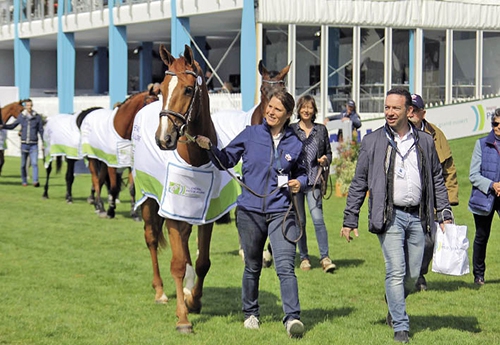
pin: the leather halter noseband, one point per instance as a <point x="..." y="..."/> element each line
<point x="185" y="118"/>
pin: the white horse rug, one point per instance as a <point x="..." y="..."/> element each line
<point x="197" y="195"/>
<point x="61" y="137"/>
<point x="100" y="140"/>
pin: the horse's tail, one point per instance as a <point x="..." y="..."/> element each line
<point x="83" y="114"/>
<point x="59" y="162"/>
<point x="162" y="241"/>
<point x="225" y="219"/>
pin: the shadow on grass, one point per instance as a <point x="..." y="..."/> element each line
<point x="462" y="323"/>
<point x="421" y="323"/>
<point x="455" y="285"/>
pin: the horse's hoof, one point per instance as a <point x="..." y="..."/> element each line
<point x="102" y="214"/>
<point x="184" y="329"/>
<point x="162" y="300"/>
<point x="191" y="308"/>
<point x="45" y="197"/>
<point x="91" y="200"/>
<point x="137" y="219"/>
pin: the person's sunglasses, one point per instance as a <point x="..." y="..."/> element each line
<point x="495" y="124"/>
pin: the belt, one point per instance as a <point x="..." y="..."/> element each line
<point x="408" y="209"/>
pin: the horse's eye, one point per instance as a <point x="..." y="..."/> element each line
<point x="189" y="91"/>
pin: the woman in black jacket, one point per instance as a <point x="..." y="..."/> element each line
<point x="318" y="155"/>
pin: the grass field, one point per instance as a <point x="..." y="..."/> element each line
<point x="68" y="277"/>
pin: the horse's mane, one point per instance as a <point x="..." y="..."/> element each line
<point x="129" y="98"/>
<point x="83" y="114"/>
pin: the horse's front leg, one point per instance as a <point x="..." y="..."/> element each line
<point x="153" y="235"/>
<point x="114" y="189"/>
<point x="178" y="233"/>
<point x="70" y="178"/>
<point x="193" y="301"/>
<point x="48" y="170"/>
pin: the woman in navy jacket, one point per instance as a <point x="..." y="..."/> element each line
<point x="272" y="161"/>
<point x="485" y="196"/>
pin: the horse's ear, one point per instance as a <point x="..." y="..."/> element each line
<point x="262" y="69"/>
<point x="282" y="74"/>
<point x="166" y="57"/>
<point x="188" y="55"/>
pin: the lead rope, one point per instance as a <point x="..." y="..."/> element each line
<point x="292" y="204"/>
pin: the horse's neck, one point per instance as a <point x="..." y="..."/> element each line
<point x="191" y="152"/>
<point x="258" y="113"/>
<point x="124" y="120"/>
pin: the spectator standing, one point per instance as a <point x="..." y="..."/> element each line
<point x="31" y="127"/>
<point x="348" y="114"/>
<point x="272" y="162"/>
<point x="317" y="153"/>
<point x="485" y="196"/>
<point x="417" y="117"/>
<point x="400" y="168"/>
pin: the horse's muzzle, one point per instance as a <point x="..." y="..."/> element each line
<point x="168" y="143"/>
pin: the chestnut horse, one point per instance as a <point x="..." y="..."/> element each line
<point x="100" y="169"/>
<point x="10" y="110"/>
<point x="184" y="113"/>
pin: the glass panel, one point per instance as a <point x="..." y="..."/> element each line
<point x="491" y="72"/>
<point x="371" y="97"/>
<point x="433" y="80"/>
<point x="339" y="67"/>
<point x="308" y="53"/>
<point x="400" y="58"/>
<point x="464" y="65"/>
<point x="275" y="49"/>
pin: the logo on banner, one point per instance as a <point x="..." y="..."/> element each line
<point x="483" y="116"/>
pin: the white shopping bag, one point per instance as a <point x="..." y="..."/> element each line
<point x="450" y="250"/>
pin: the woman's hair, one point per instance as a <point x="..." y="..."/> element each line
<point x="496" y="114"/>
<point x="287" y="101"/>
<point x="307" y="99"/>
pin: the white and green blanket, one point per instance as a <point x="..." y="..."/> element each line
<point x="61" y="137"/>
<point x="197" y="195"/>
<point x="100" y="140"/>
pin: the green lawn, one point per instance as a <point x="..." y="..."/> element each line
<point x="68" y="277"/>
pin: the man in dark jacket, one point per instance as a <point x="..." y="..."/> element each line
<point x="400" y="168"/>
<point x="31" y="126"/>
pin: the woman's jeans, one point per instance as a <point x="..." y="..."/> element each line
<point x="31" y="151"/>
<point x="254" y="228"/>
<point x="315" y="203"/>
<point x="483" y="229"/>
<point x="403" y="247"/>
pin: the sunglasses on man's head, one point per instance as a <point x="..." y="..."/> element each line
<point x="495" y="124"/>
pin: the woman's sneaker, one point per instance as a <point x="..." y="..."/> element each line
<point x="328" y="265"/>
<point x="295" y="328"/>
<point x="251" y="322"/>
<point x="305" y="265"/>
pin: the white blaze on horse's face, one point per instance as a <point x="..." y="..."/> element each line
<point x="164" y="120"/>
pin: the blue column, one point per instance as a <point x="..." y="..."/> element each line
<point x="118" y="59"/>
<point x="248" y="55"/>
<point x="101" y="70"/>
<point x="65" y="65"/>
<point x="22" y="57"/>
<point x="411" y="62"/>
<point x="145" y="65"/>
<point x="179" y="35"/>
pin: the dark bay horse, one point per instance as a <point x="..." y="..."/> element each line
<point x="10" y="110"/>
<point x="185" y="113"/>
<point x="100" y="170"/>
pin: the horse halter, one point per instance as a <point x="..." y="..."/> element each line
<point x="185" y="118"/>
